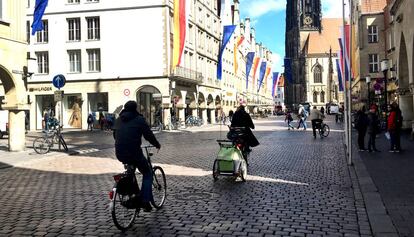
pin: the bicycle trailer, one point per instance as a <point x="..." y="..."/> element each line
<point x="229" y="161"/>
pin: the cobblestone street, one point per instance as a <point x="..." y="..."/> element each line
<point x="297" y="186"/>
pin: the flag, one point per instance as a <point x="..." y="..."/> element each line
<point x="275" y="81"/>
<point x="249" y="64"/>
<point x="344" y="43"/>
<point x="39" y="10"/>
<point x="255" y="66"/>
<point x="227" y="32"/>
<point x="236" y="50"/>
<point x="261" y="75"/>
<point x="288" y="70"/>
<point x="180" y="28"/>
<point x="338" y="68"/>
<point x="344" y="64"/>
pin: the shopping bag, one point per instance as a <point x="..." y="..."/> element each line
<point x="387" y="135"/>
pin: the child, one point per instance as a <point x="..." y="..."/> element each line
<point x="289" y="120"/>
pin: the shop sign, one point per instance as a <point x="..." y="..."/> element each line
<point x="157" y="96"/>
<point x="229" y="94"/>
<point x="42" y="88"/>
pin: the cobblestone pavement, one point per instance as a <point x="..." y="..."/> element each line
<point x="297" y="186"/>
<point x="392" y="173"/>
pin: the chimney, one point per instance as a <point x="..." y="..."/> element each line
<point x="236" y="14"/>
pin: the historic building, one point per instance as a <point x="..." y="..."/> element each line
<point x="321" y="52"/>
<point x="302" y="17"/>
<point x="13" y="69"/>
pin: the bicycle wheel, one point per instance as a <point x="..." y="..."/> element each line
<point x="325" y="130"/>
<point x="159" y="187"/>
<point x="62" y="141"/>
<point x="122" y="216"/>
<point x="243" y="170"/>
<point x="41" y="145"/>
<point x="216" y="170"/>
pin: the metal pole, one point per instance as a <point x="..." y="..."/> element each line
<point x="61" y="120"/>
<point x="369" y="96"/>
<point x="345" y="88"/>
<point x="350" y="85"/>
<point x="385" y="89"/>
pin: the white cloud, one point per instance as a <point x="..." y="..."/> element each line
<point x="333" y="8"/>
<point x="258" y="8"/>
<point x="277" y="62"/>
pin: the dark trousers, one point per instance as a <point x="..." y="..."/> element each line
<point x="395" y="140"/>
<point x="361" y="138"/>
<point x="316" y="123"/>
<point x="371" y="141"/>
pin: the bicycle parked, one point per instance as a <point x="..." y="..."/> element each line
<point x="193" y="121"/>
<point x="125" y="196"/>
<point x="323" y="129"/>
<point x="43" y="144"/>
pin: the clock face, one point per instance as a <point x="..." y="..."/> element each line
<point x="308" y="20"/>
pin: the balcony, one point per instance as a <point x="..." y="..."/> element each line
<point x="187" y="75"/>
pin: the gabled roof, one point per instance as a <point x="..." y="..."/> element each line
<point x="328" y="38"/>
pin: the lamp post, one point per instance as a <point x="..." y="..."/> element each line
<point x="368" y="81"/>
<point x="384" y="69"/>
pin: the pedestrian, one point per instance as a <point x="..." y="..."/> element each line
<point x="90" y="122"/>
<point x="101" y="120"/>
<point x="316" y="118"/>
<point x="231" y="113"/>
<point x="128" y="131"/>
<point x="322" y="110"/>
<point x="373" y="128"/>
<point x="302" y="115"/>
<point x="289" y="120"/>
<point x="394" y="125"/>
<point x="361" y="125"/>
<point x="46" y="118"/>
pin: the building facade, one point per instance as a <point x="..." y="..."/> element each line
<point x="302" y="17"/>
<point x="13" y="69"/>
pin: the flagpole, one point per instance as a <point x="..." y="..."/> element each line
<point x="350" y="85"/>
<point x="346" y="88"/>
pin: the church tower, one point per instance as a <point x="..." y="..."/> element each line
<point x="302" y="17"/>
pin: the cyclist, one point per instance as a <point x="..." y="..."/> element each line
<point x="128" y="130"/>
<point x="242" y="119"/>
<point x="316" y="117"/>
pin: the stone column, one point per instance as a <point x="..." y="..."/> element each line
<point x="204" y="115"/>
<point x="407" y="108"/>
<point x="166" y="116"/>
<point x="181" y="114"/>
<point x="17" y="137"/>
<point x="213" y="116"/>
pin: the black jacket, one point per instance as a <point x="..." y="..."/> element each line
<point x="242" y="119"/>
<point x="128" y="130"/>
<point x="373" y="123"/>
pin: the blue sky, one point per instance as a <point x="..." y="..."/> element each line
<point x="268" y="19"/>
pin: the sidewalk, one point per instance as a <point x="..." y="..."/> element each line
<point x="387" y="184"/>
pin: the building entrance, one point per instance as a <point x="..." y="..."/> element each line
<point x="149" y="104"/>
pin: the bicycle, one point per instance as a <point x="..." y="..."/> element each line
<point x="42" y="145"/>
<point x="323" y="129"/>
<point x="124" y="195"/>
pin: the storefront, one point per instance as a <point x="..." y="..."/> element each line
<point x="149" y="104"/>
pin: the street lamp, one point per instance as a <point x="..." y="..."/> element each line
<point x="368" y="81"/>
<point x="384" y="69"/>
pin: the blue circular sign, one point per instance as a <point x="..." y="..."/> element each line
<point x="59" y="81"/>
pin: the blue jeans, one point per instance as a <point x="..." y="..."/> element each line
<point x="303" y="122"/>
<point x="144" y="168"/>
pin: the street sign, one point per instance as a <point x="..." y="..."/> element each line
<point x="58" y="95"/>
<point x="127" y="92"/>
<point x="59" y="81"/>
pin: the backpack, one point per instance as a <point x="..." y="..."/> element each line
<point x="90" y="119"/>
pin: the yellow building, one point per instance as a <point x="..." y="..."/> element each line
<point x="13" y="68"/>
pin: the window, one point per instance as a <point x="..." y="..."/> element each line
<point x="93" y="28"/>
<point x="92" y="0"/>
<point x="94" y="60"/>
<point x="74" y="29"/>
<point x="43" y="35"/>
<point x="323" y="97"/>
<point x="74" y="60"/>
<point x="73" y="1"/>
<point x="373" y="63"/>
<point x="317" y="74"/>
<point x="42" y="62"/>
<point x="373" y="34"/>
<point x="315" y="97"/>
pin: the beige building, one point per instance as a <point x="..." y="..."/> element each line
<point x="13" y="69"/>
<point x="321" y="52"/>
<point x="402" y="20"/>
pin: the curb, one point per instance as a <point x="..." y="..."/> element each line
<point x="379" y="220"/>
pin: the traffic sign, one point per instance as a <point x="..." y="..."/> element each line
<point x="127" y="92"/>
<point x="59" y="81"/>
<point x="58" y="95"/>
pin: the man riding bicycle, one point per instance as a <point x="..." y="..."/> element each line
<point x="316" y="117"/>
<point x="242" y="119"/>
<point x="128" y="130"/>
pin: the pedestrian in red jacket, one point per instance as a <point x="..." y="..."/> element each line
<point x="394" y="125"/>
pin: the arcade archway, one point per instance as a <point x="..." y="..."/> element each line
<point x="149" y="101"/>
<point x="405" y="96"/>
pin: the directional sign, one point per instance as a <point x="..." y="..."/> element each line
<point x="59" y="81"/>
<point x="58" y="95"/>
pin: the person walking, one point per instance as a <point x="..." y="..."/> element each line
<point x="90" y="121"/>
<point x="289" y="120"/>
<point x="303" y="115"/>
<point x="361" y="125"/>
<point x="394" y="125"/>
<point x="373" y="128"/>
<point x="129" y="128"/>
<point x="316" y="118"/>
